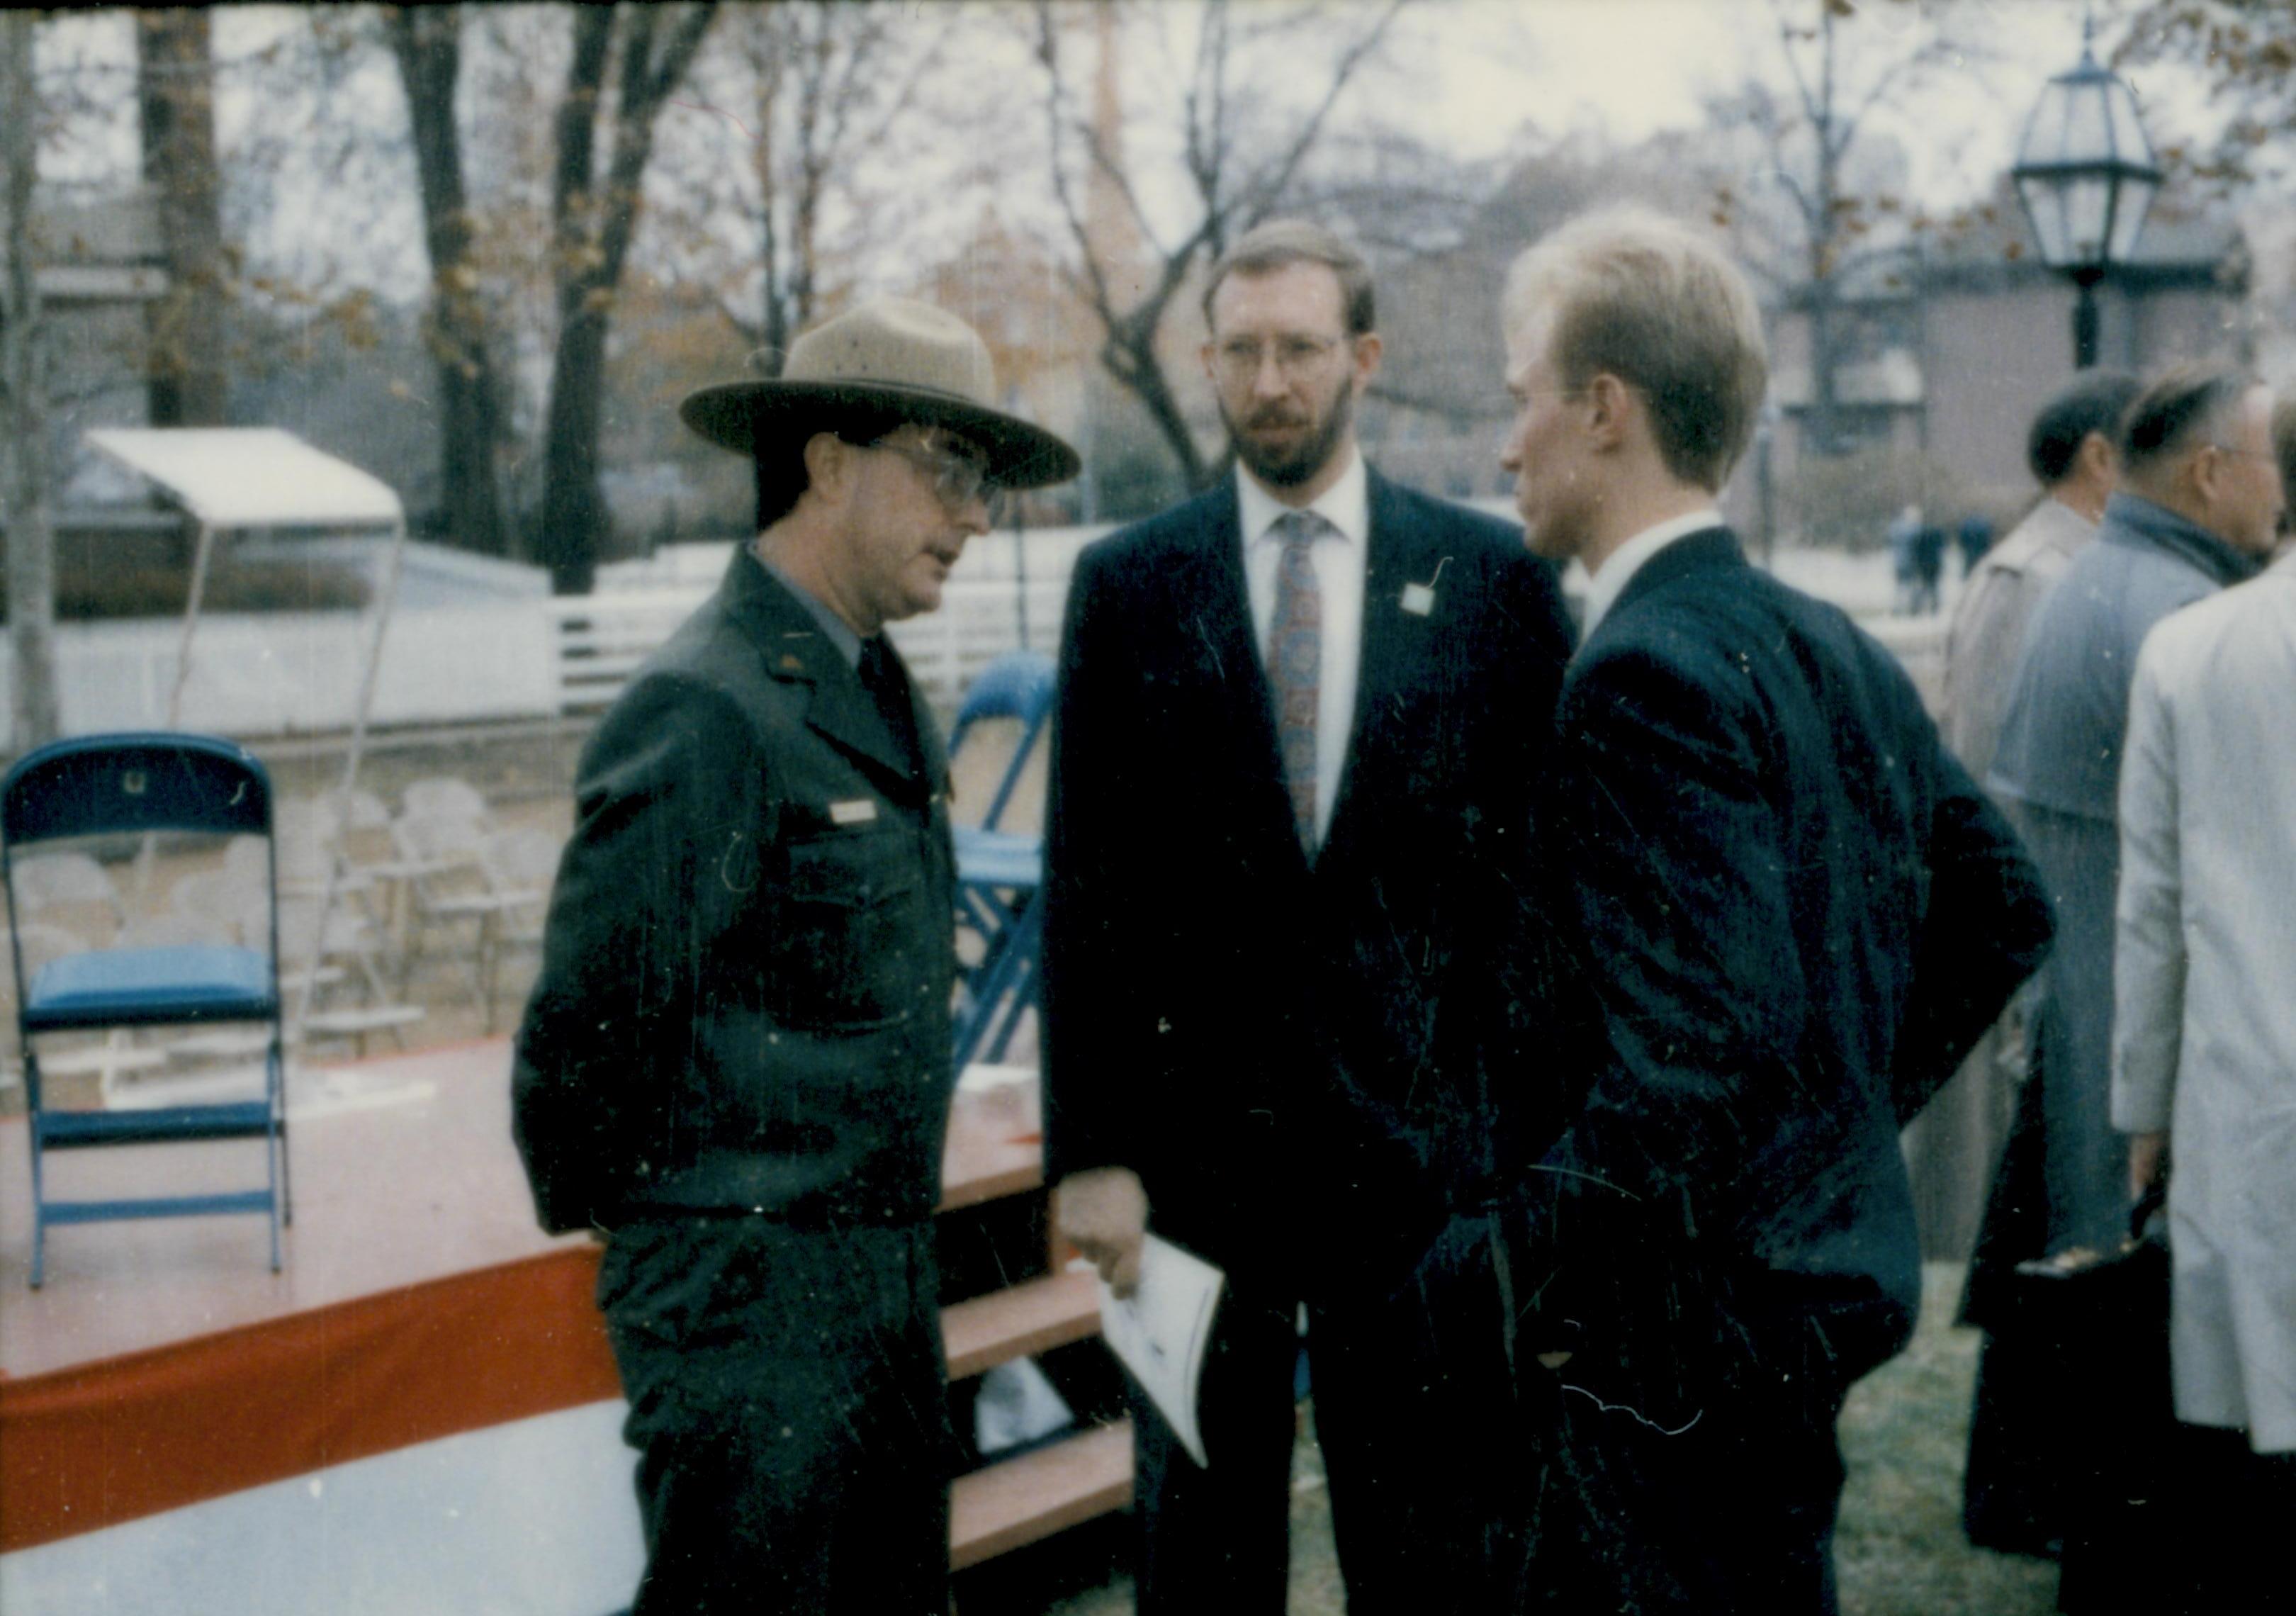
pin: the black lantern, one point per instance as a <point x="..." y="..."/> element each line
<point x="2086" y="175"/>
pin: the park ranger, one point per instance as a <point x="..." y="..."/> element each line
<point x="736" y="1067"/>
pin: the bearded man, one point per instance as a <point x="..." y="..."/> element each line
<point x="1299" y="720"/>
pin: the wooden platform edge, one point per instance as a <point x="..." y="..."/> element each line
<point x="1034" y="1315"/>
<point x="1021" y="1501"/>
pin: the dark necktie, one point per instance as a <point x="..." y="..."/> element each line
<point x="881" y="677"/>
<point x="1295" y="665"/>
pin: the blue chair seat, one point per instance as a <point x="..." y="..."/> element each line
<point x="151" y="987"/>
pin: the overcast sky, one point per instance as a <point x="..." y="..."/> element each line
<point x="1467" y="77"/>
<point x="1633" y="67"/>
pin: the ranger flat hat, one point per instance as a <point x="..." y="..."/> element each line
<point x="887" y="362"/>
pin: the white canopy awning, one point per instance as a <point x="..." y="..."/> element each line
<point x="261" y="477"/>
<point x="252" y="477"/>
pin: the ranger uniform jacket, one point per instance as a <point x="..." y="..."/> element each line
<point x="744" y="995"/>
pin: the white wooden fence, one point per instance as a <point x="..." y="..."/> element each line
<point x="601" y="638"/>
<point x="463" y="654"/>
<point x="997" y="599"/>
<point x="597" y="641"/>
<point x="474" y="650"/>
<point x="293" y="673"/>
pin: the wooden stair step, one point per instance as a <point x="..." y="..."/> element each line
<point x="1048" y="1490"/>
<point x="995" y="1140"/>
<point x="1034" y="1315"/>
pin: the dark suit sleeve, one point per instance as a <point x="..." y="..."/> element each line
<point x="1511" y="984"/>
<point x="671" y="807"/>
<point x="1095" y="1046"/>
<point x="1986" y="929"/>
<point x="1670" y="876"/>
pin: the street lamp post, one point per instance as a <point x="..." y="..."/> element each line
<point x="2086" y="176"/>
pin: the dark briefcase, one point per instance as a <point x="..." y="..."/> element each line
<point x="2104" y="1323"/>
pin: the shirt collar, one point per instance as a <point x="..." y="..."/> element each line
<point x="1604" y="586"/>
<point x="838" y="631"/>
<point x="2131" y="519"/>
<point x="1346" y="505"/>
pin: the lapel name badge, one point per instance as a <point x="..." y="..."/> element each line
<point x="1419" y="599"/>
<point x="854" y="810"/>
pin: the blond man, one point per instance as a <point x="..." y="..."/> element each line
<point x="1786" y="913"/>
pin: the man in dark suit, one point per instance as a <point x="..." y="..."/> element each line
<point x="1786" y="911"/>
<point x="735" y="1065"/>
<point x="1298" y="721"/>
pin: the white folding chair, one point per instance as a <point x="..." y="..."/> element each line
<point x="445" y="797"/>
<point x="349" y="954"/>
<point x="520" y="866"/>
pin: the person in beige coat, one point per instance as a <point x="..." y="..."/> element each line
<point x="2204" y="1052"/>
<point x="1950" y="1147"/>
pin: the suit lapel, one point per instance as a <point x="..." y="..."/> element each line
<point x="1215" y="613"/>
<point x="1220" y="614"/>
<point x="1394" y="641"/>
<point x="1394" y="645"/>
<point x="838" y="709"/>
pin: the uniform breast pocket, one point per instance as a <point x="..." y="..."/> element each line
<point x="852" y="942"/>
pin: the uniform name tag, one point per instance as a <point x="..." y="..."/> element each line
<point x="856" y="810"/>
<point x="1419" y="599"/>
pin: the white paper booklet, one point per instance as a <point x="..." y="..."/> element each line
<point x="1160" y="1332"/>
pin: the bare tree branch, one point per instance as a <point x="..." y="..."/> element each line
<point x="1229" y="195"/>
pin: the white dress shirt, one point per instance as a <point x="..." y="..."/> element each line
<point x="1338" y="557"/>
<point x="1605" y="585"/>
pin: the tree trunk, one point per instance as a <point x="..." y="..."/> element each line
<point x="428" y="44"/>
<point x="1823" y="429"/>
<point x="572" y="522"/>
<point x="595" y="226"/>
<point x="33" y="715"/>
<point x="176" y="92"/>
<point x="573" y="509"/>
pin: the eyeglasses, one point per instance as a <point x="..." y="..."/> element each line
<point x="959" y="475"/>
<point x="1524" y="398"/>
<point x="1240" y="357"/>
<point x="2226" y="448"/>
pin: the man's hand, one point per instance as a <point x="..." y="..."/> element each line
<point x="1103" y="1213"/>
<point x="2148" y="1154"/>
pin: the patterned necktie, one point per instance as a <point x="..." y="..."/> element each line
<point x="1295" y="665"/>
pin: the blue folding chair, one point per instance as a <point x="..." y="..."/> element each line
<point x="998" y="872"/>
<point x="1006" y="870"/>
<point x="133" y="784"/>
<point x="1018" y="685"/>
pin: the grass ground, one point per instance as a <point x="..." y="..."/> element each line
<point x="1900" y="1550"/>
